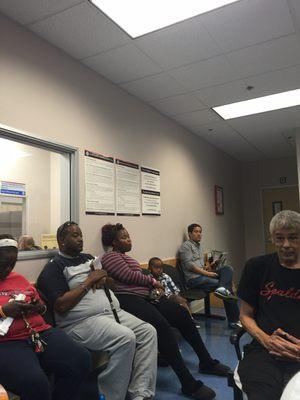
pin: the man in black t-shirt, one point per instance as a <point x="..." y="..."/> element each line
<point x="270" y="304"/>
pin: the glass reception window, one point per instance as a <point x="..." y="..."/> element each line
<point x="35" y="194"/>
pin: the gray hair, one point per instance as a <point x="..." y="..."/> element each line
<point x="285" y="219"/>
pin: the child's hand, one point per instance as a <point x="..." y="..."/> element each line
<point x="158" y="285"/>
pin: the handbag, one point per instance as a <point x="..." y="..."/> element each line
<point x="155" y="295"/>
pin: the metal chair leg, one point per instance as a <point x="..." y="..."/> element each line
<point x="207" y="313"/>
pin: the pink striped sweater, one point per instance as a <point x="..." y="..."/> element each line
<point x="127" y="274"/>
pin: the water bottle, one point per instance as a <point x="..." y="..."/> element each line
<point x="101" y="397"/>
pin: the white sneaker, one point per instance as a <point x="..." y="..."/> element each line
<point x="235" y="325"/>
<point x="224" y="294"/>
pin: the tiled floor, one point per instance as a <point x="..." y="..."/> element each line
<point x="215" y="335"/>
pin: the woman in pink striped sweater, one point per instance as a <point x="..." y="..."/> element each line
<point x="132" y="288"/>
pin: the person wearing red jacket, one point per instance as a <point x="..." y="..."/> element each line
<point x="29" y="347"/>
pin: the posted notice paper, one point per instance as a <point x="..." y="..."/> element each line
<point x="128" y="196"/>
<point x="151" y="204"/>
<point x="99" y="184"/>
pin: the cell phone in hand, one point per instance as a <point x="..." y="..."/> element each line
<point x="97" y="263"/>
<point x="20" y="297"/>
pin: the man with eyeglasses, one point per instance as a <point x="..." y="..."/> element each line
<point x="270" y="306"/>
<point x="89" y="312"/>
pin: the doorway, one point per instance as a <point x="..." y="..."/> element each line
<point x="275" y="200"/>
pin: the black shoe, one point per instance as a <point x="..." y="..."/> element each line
<point x="216" y="368"/>
<point x="197" y="323"/>
<point x="202" y="392"/>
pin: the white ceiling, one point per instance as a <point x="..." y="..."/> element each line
<point x="187" y="68"/>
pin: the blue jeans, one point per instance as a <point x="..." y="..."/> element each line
<point x="225" y="273"/>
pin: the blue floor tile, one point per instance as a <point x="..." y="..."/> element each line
<point x="215" y="335"/>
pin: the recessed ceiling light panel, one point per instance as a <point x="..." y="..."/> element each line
<point x="259" y="105"/>
<point x="138" y="17"/>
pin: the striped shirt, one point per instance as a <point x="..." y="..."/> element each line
<point x="168" y="284"/>
<point x="127" y="274"/>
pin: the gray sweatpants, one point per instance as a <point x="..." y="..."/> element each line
<point x="132" y="346"/>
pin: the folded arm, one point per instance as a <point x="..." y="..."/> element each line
<point x="121" y="271"/>
<point x="71" y="298"/>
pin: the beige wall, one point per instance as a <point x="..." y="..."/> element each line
<point x="257" y="176"/>
<point x="45" y="92"/>
<point x="297" y="140"/>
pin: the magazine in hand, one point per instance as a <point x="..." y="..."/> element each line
<point x="217" y="255"/>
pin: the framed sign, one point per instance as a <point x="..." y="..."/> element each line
<point x="219" y="200"/>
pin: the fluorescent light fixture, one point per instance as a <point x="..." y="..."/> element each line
<point x="138" y="17"/>
<point x="259" y="105"/>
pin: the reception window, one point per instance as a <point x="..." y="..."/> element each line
<point x="37" y="190"/>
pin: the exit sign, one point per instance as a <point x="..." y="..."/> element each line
<point x="283" y="179"/>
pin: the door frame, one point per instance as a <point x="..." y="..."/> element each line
<point x="261" y="203"/>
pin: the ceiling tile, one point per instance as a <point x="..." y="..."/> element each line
<point x="206" y="73"/>
<point x="256" y="132"/>
<point x="269" y="56"/>
<point x="262" y="139"/>
<point x="123" y="64"/>
<point x="154" y="87"/>
<point x="248" y="22"/>
<point x="196" y="118"/>
<point x="217" y="133"/>
<point x="241" y="150"/>
<point x="290" y="134"/>
<point x="178" y="104"/>
<point x="277" y="150"/>
<point x="281" y="153"/>
<point x="81" y="31"/>
<point x="179" y="44"/>
<point x="264" y="84"/>
<point x="28" y="11"/>
<point x="269" y="132"/>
